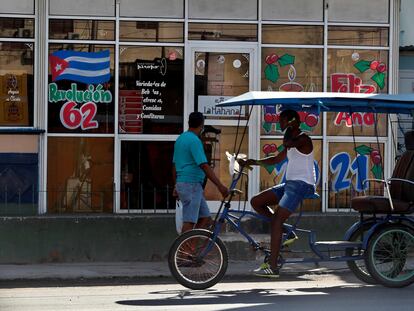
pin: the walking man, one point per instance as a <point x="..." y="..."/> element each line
<point x="190" y="167"/>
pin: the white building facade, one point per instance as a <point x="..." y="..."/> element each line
<point x="95" y="92"/>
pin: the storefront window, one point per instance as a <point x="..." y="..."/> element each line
<point x="81" y="29"/>
<point x="151" y="90"/>
<point x="357" y="11"/>
<point x="357" y="71"/>
<point x="349" y="165"/>
<point x="80" y="175"/>
<point x="16" y="83"/>
<point x="146" y="175"/>
<point x="291" y="34"/>
<point x="219" y="9"/>
<point x="357" y="124"/>
<point x="19" y="175"/>
<point x="16" y="27"/>
<point x="81" y="88"/>
<point x="220" y="76"/>
<point x="293" y="10"/>
<point x="368" y="36"/>
<point x="152" y="9"/>
<point x="292" y="70"/>
<point x="222" y="32"/>
<point x="275" y="174"/>
<point x="151" y="31"/>
<point x="82" y="8"/>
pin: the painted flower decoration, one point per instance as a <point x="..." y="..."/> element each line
<point x="271" y="71"/>
<point x="376" y="66"/>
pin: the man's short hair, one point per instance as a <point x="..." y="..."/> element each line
<point x="195" y="119"/>
<point x="290" y="115"/>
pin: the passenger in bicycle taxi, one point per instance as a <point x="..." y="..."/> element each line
<point x="190" y="167"/>
<point x="285" y="198"/>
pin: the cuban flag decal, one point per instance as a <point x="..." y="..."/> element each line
<point x="86" y="67"/>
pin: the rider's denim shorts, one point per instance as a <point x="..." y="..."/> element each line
<point x="292" y="192"/>
<point x="191" y="196"/>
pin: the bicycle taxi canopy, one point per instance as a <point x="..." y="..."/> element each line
<point x="317" y="102"/>
<point x="320" y="102"/>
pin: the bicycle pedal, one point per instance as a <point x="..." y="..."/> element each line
<point x="260" y="248"/>
<point x="266" y="250"/>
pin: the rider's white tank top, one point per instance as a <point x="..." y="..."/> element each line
<point x="300" y="166"/>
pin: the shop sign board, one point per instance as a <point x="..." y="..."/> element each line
<point x="207" y="105"/>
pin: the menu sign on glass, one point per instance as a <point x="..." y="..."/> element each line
<point x="152" y="89"/>
<point x="153" y="102"/>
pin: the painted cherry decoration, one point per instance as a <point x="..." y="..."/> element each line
<point x="374" y="64"/>
<point x="311" y="120"/>
<point x="268" y="117"/>
<point x="381" y="67"/>
<point x="271" y="59"/>
<point x="302" y="116"/>
<point x="267" y="149"/>
<point x="375" y="156"/>
<point x="273" y="148"/>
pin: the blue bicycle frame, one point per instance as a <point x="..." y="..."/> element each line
<point x="234" y="217"/>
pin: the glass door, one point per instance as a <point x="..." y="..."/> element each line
<point x="217" y="76"/>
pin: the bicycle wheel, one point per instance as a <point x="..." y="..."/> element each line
<point x="196" y="261"/>
<point x="390" y="258"/>
<point x="358" y="267"/>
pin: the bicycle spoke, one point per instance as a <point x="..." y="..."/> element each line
<point x="203" y="261"/>
<point x="393" y="255"/>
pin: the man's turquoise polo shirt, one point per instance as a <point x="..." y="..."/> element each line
<point x="188" y="155"/>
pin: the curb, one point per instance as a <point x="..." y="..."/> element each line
<point x="140" y="270"/>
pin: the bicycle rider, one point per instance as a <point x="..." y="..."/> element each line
<point x="300" y="182"/>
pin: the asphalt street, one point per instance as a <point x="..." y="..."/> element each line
<point x="310" y="292"/>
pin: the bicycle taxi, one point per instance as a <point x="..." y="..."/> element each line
<point x="379" y="248"/>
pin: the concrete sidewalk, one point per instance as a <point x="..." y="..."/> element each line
<point x="98" y="270"/>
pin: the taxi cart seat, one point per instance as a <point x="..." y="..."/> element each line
<point x="400" y="187"/>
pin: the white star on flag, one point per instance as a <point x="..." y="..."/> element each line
<point x="58" y="67"/>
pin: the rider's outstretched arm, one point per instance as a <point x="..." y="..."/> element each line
<point x="269" y="160"/>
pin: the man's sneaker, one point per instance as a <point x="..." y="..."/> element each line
<point x="292" y="237"/>
<point x="265" y="270"/>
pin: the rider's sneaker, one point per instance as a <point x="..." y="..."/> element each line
<point x="265" y="270"/>
<point x="292" y="237"/>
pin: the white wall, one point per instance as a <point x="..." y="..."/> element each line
<point x="406" y="23"/>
